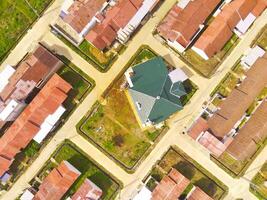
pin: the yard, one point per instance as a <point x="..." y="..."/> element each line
<point x="87" y="167"/>
<point x="176" y="158"/>
<point x="262" y="38"/>
<point x="208" y="67"/>
<point x="15" y="18"/>
<point x="258" y="185"/>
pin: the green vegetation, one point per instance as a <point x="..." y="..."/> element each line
<point x="262" y="38"/>
<point x="208" y="67"/>
<point x="69" y="152"/>
<point x="101" y="61"/>
<point x="16" y="17"/>
<point x="186" y="191"/>
<point x="176" y="158"/>
<point x="190" y="89"/>
<point x="258" y="185"/>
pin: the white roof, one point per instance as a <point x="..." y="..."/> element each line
<point x="11" y="106"/>
<point x="183" y="3"/>
<point x="66" y="5"/>
<point x="144" y="194"/>
<point x="252" y="56"/>
<point x="48" y="124"/>
<point x="243" y="25"/>
<point x="5" y="74"/>
<point x="177" y="75"/>
<point x="27" y="195"/>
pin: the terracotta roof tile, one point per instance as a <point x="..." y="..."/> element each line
<point x="198" y="194"/>
<point x="88" y="190"/>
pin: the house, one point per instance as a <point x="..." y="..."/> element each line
<point x="88" y="190"/>
<point x="143" y="194"/>
<point x="119" y="21"/>
<point x="18" y="83"/>
<point x="35" y="121"/>
<point x="252" y="56"/>
<point x="185" y="21"/>
<point x="173" y="185"/>
<point x="57" y="183"/>
<point x="222" y="132"/>
<point x="101" y="22"/>
<point x="155" y="97"/>
<point x="236" y="16"/>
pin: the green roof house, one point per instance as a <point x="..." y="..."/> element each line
<point x="155" y="91"/>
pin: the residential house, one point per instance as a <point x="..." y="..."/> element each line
<point x="155" y="97"/>
<point x="35" y="122"/>
<point x="185" y="21"/>
<point x="235" y="17"/>
<point x="57" y="183"/>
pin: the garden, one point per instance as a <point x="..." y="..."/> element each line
<point x="16" y="17"/>
<point x="262" y="38"/>
<point x="88" y="168"/>
<point x="198" y="176"/>
<point x="258" y="184"/>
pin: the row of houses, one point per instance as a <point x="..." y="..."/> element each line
<point x="221" y="132"/>
<point x="207" y="25"/>
<point x="32" y="98"/>
<point x="102" y="22"/>
<point x="173" y="186"/>
<point x="59" y="181"/>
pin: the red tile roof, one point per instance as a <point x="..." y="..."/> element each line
<point x="198" y="194"/>
<point x="28" y="123"/>
<point x="56" y="184"/>
<point x="34" y="68"/>
<point x="171" y="186"/>
<point x="182" y="24"/>
<point x="81" y="12"/>
<point x="220" y="30"/>
<point x="88" y="190"/>
<point x="234" y="107"/>
<point x="197" y="128"/>
<point x="252" y="133"/>
<point x="118" y="16"/>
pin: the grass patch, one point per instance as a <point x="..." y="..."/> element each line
<point x="176" y="158"/>
<point x="262" y="38"/>
<point x="92" y="55"/>
<point x="258" y="185"/>
<point x="68" y="151"/>
<point x="208" y="67"/>
<point x="16" y="17"/>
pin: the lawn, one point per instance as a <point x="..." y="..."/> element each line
<point x="15" y="18"/>
<point x="262" y="38"/>
<point x="258" y="185"/>
<point x="208" y="67"/>
<point x="87" y="167"/>
<point x="176" y="158"/>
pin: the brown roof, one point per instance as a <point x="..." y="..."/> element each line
<point x="88" y="190"/>
<point x="81" y="12"/>
<point x="182" y="24"/>
<point x="25" y="127"/>
<point x="36" y="67"/>
<point x="171" y="186"/>
<point x="220" y="30"/>
<point x="56" y="184"/>
<point x="198" y="127"/>
<point x="253" y="132"/>
<point x="104" y="33"/>
<point x="198" y="194"/>
<point x="234" y="107"/>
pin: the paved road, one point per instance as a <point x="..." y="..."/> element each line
<point x="238" y="187"/>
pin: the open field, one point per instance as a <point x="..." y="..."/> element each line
<point x="15" y="18"/>
<point x="88" y="168"/>
<point x="176" y="158"/>
<point x="258" y="185"/>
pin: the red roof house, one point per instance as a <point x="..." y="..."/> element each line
<point x="88" y="190"/>
<point x="24" y="128"/>
<point x="182" y="23"/>
<point x="220" y="30"/>
<point x="198" y="194"/>
<point x="56" y="184"/>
